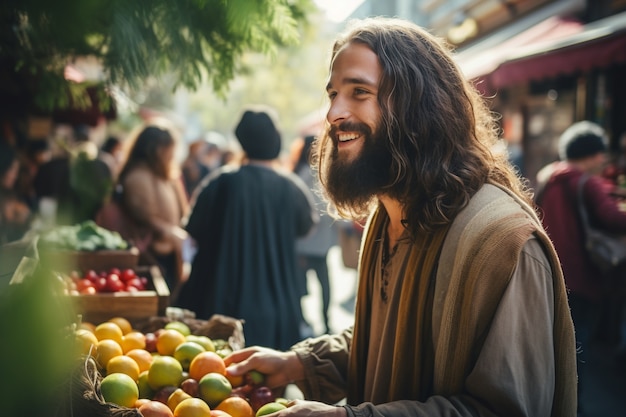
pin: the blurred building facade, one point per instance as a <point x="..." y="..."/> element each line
<point x="543" y="64"/>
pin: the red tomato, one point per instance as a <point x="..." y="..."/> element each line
<point x="127" y="274"/>
<point x="100" y="284"/>
<point x="114" y="283"/>
<point x="91" y="275"/>
<point x="115" y="271"/>
<point x="88" y="291"/>
<point x="82" y="284"/>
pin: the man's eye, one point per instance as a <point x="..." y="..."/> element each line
<point x="359" y="91"/>
<point x="332" y="95"/>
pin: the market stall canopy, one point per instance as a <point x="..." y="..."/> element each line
<point x="556" y="46"/>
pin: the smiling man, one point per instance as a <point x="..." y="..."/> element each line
<point x="461" y="306"/>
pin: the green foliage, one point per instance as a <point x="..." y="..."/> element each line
<point x="139" y="39"/>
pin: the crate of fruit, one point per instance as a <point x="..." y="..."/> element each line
<point x="135" y="293"/>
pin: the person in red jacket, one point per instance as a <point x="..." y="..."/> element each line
<point x="582" y="151"/>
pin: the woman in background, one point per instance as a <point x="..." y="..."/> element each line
<point x="154" y="199"/>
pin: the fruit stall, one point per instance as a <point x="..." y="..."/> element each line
<point x="106" y="342"/>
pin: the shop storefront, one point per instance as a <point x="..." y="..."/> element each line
<point x="551" y="75"/>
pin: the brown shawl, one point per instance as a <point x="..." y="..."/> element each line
<point x="478" y="257"/>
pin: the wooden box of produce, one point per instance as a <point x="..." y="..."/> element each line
<point x="98" y="306"/>
<point x="85" y="246"/>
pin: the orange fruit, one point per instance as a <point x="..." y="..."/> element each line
<point x="142" y="357"/>
<point x="235" y="380"/>
<point x="106" y="350"/>
<point x="164" y="370"/>
<point x="192" y="407"/>
<point x="168" y="340"/>
<point x="236" y="407"/>
<point x="176" y="398"/>
<point x="133" y="340"/>
<point x="119" y="389"/>
<point x="219" y="413"/>
<point x="125" y="365"/>
<point x="109" y="330"/>
<point x="123" y="323"/>
<point x="204" y="363"/>
<point x="140" y="402"/>
<point x="86" y="342"/>
<point x="214" y="388"/>
<point x="155" y="409"/>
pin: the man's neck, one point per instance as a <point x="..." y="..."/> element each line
<point x="395" y="213"/>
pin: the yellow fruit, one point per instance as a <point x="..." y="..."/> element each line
<point x="168" y="340"/>
<point x="109" y="330"/>
<point x="164" y="370"/>
<point x="192" y="407"/>
<point x="119" y="389"/>
<point x="124" y="365"/>
<point x="214" y="388"/>
<point x="203" y="341"/>
<point x="205" y="363"/>
<point x="144" y="387"/>
<point x="142" y="357"/>
<point x="106" y="350"/>
<point x="179" y="326"/>
<point x="86" y="342"/>
<point x="269" y="408"/>
<point x="186" y="351"/>
<point x="123" y="324"/>
<point x="133" y="340"/>
<point x="236" y="407"/>
<point x="176" y="398"/>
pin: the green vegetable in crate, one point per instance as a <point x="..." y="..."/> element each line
<point x="86" y="236"/>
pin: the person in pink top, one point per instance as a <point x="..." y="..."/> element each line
<point x="582" y="152"/>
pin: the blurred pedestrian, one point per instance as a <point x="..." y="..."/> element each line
<point x="461" y="307"/>
<point x="153" y="198"/>
<point x="583" y="156"/>
<point x="245" y="221"/>
<point x="312" y="249"/>
<point x="203" y="156"/>
<point x="111" y="152"/>
<point x="15" y="215"/>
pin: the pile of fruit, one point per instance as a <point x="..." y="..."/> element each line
<point x="171" y="372"/>
<point x="94" y="282"/>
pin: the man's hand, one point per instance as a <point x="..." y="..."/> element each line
<point x="303" y="408"/>
<point x="279" y="368"/>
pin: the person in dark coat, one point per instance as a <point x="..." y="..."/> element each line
<point x="245" y="221"/>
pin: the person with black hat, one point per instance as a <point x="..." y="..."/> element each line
<point x="245" y="221"/>
<point x="583" y="155"/>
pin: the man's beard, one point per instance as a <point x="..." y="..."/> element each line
<point x="354" y="183"/>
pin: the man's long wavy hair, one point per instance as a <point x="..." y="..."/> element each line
<point x="441" y="135"/>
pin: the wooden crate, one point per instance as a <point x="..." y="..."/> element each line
<point x="99" y="260"/>
<point x="133" y="306"/>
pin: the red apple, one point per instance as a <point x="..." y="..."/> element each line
<point x="191" y="387"/>
<point x="164" y="393"/>
<point x="151" y="340"/>
<point x="260" y="396"/>
<point x="115" y="271"/>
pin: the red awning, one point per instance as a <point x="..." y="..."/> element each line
<point x="475" y="65"/>
<point x="557" y="46"/>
